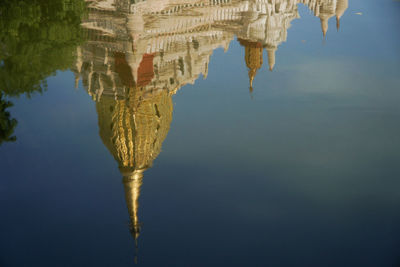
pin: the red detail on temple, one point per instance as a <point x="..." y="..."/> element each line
<point x="145" y="71"/>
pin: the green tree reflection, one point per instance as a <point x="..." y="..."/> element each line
<point x="37" y="38"/>
<point x="7" y="124"/>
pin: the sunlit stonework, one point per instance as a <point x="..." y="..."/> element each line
<point x="139" y="53"/>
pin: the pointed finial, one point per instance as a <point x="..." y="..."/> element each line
<point x="341" y="7"/>
<point x="271" y="57"/>
<point x="337" y="23"/>
<point x="226" y="47"/>
<point x="132" y="183"/>
<point x="252" y="74"/>
<point x="324" y="26"/>
<point x="76" y="80"/>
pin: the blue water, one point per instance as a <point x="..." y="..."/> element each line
<point x="302" y="172"/>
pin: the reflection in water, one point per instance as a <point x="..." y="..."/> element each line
<point x="7" y="124"/>
<point x="133" y="129"/>
<point x="37" y="38"/>
<point x="138" y="55"/>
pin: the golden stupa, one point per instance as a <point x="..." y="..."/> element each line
<point x="253" y="55"/>
<point x="133" y="129"/>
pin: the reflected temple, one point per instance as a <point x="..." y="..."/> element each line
<point x="140" y="53"/>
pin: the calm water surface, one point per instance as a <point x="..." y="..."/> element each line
<point x="200" y="133"/>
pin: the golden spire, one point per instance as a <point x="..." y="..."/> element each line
<point x="132" y="182"/>
<point x="133" y="128"/>
<point x="252" y="73"/>
<point x="253" y="57"/>
<point x="337" y="23"/>
<point x="341" y="7"/>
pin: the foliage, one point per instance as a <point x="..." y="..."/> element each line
<point x="37" y="38"/>
<point x="7" y="124"/>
